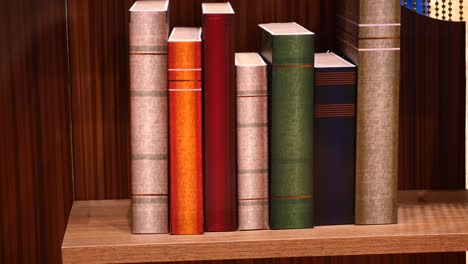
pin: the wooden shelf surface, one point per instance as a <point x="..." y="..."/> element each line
<point x="428" y="221"/>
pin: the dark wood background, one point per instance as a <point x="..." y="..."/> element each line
<point x="65" y="118"/>
<point x="35" y="138"/>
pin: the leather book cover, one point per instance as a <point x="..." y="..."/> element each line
<point x="148" y="116"/>
<point x="185" y="131"/>
<point x="219" y="117"/>
<point x="252" y="141"/>
<point x="288" y="48"/>
<point x="334" y="140"/>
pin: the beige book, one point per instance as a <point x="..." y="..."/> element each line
<point x="374" y="46"/>
<point x="252" y="141"/>
<point x="148" y="113"/>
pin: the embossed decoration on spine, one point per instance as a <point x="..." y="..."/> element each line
<point x="415" y="3"/>
<point x="437" y="8"/>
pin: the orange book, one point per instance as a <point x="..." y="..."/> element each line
<point x="185" y="131"/>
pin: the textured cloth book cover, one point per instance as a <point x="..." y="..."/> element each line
<point x="185" y="131"/>
<point x="252" y="141"/>
<point x="148" y="114"/>
<point x="288" y="49"/>
<point x="334" y="140"/>
<point x="371" y="40"/>
<point x="219" y="117"/>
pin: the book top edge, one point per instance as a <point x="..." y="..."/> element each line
<point x="249" y="59"/>
<point x="185" y="34"/>
<point x="290" y="28"/>
<point x="217" y="8"/>
<point x="331" y="60"/>
<point x="150" y="6"/>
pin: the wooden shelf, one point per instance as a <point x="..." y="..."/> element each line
<point x="99" y="232"/>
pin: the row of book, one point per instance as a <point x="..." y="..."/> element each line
<point x="225" y="141"/>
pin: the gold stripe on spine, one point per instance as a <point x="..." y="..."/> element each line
<point x="253" y="171"/>
<point x="252" y="92"/>
<point x="149" y="93"/>
<point x="292" y="197"/>
<point x="148" y="49"/>
<point x="293" y="66"/>
<point x="149" y="157"/>
<point x="262" y="124"/>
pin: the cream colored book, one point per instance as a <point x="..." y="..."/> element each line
<point x="252" y="141"/>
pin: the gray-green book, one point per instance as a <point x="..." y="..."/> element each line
<point x="288" y="48"/>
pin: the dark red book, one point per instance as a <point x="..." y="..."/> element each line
<point x="219" y="117"/>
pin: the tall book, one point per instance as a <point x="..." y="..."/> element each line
<point x="371" y="40"/>
<point x="334" y="140"/>
<point x="185" y="130"/>
<point x="252" y="141"/>
<point x="148" y="113"/>
<point x="219" y="117"/>
<point x="288" y="48"/>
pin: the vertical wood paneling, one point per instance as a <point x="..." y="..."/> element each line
<point x="35" y="151"/>
<point x="432" y="103"/>
<point x="100" y="100"/>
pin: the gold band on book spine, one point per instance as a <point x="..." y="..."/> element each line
<point x="374" y="46"/>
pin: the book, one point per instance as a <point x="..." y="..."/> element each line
<point x="219" y="117"/>
<point x="185" y="130"/>
<point x="252" y="141"/>
<point x="148" y="116"/>
<point x="334" y="140"/>
<point x="371" y="40"/>
<point x="288" y="48"/>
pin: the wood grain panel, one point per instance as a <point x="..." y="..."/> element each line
<point x="317" y="16"/>
<point x="432" y="103"/>
<point x="35" y="152"/>
<point x="98" y="36"/>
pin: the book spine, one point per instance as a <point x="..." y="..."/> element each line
<point x="219" y="123"/>
<point x="148" y="117"/>
<point x="252" y="147"/>
<point x="334" y="147"/>
<point x="375" y="48"/>
<point x="292" y="100"/>
<point x="185" y="130"/>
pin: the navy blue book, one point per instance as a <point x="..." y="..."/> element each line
<point x="334" y="140"/>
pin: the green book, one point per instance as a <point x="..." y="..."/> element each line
<point x="288" y="48"/>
